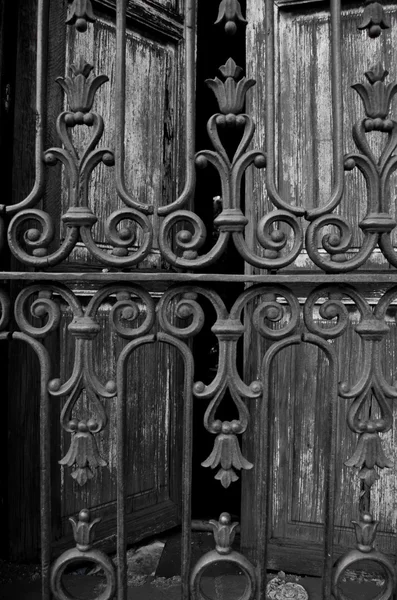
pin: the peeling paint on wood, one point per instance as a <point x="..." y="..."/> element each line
<point x="304" y="107"/>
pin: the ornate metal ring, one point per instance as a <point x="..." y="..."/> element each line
<point x="212" y="557"/>
<point x="75" y="555"/>
<point x="355" y="556"/>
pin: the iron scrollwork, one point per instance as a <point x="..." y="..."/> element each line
<point x="279" y="233"/>
<point x="228" y="329"/>
<point x="273" y="304"/>
<point x="370" y="387"/>
<point x="231" y="221"/>
<point x="276" y="313"/>
<point x="79" y="219"/>
<point x="378" y="224"/>
<point x="83" y="454"/>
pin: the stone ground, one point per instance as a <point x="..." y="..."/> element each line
<point x="227" y="587"/>
<point x="152" y="576"/>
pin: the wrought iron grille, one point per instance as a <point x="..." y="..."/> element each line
<point x="278" y="303"/>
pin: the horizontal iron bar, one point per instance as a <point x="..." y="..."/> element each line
<point x="137" y="276"/>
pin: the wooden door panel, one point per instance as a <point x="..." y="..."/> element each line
<point x="299" y="377"/>
<point x="154" y="149"/>
<point x="154" y="114"/>
<point x="304" y="130"/>
<point x="304" y="136"/>
<point x="155" y="377"/>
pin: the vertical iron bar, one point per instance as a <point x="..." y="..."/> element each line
<point x="336" y="94"/>
<point x="186" y="464"/>
<point x="120" y="81"/>
<point x="187" y="458"/>
<point x="329" y="501"/>
<point x="41" y="88"/>
<point x="262" y="493"/>
<point x="120" y="84"/>
<point x="337" y="101"/>
<point x="121" y="424"/>
<point x="121" y="8"/>
<point x="187" y="477"/>
<point x="337" y="117"/>
<point x="329" y="507"/>
<point x="263" y="475"/>
<point x="269" y="112"/>
<point x="45" y="476"/>
<point x="190" y="110"/>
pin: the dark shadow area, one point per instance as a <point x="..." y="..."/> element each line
<point x="213" y="50"/>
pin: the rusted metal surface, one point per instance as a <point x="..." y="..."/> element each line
<point x="282" y="309"/>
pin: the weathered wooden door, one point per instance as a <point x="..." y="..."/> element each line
<point x="300" y="381"/>
<point x="113" y="264"/>
<point x="154" y="100"/>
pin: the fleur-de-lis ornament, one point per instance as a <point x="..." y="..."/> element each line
<point x="365" y="530"/>
<point x="230" y="12"/>
<point x="224" y="532"/>
<point x="230" y="94"/>
<point x="374" y="19"/>
<point x="80" y="89"/>
<point x="368" y="455"/>
<point x="227" y="453"/>
<point x="83" y="452"/>
<point x="80" y="13"/>
<point x="83" y="530"/>
<point x="376" y="96"/>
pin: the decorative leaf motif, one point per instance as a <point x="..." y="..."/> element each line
<point x="227" y="454"/>
<point x="368" y="455"/>
<point x="83" y="529"/>
<point x="224" y="532"/>
<point x="226" y="477"/>
<point x="365" y="530"/>
<point x="83" y="453"/>
<point x="81" y="86"/>
<point x="376" y="73"/>
<point x="376" y="95"/>
<point x="230" y="94"/>
<point x="230" y="69"/>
